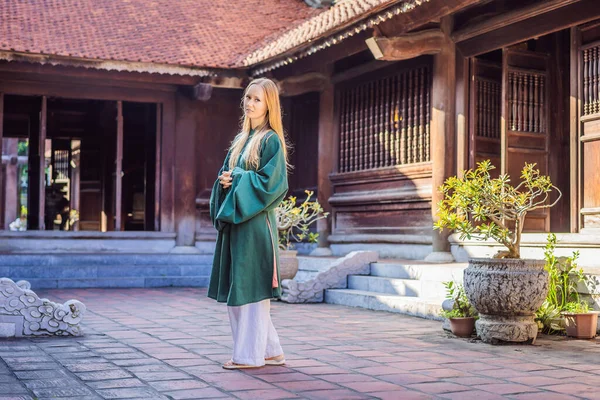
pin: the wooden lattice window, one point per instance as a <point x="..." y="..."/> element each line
<point x="526" y="101"/>
<point x="591" y="80"/>
<point x="487" y="108"/>
<point x="385" y="122"/>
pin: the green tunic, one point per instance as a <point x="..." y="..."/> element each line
<point x="246" y="254"/>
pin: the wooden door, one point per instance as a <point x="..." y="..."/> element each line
<point x="525" y="129"/>
<point x="484" y="128"/>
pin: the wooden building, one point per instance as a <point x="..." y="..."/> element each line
<point x="383" y="100"/>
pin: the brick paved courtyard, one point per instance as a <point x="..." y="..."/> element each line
<point x="170" y="344"/>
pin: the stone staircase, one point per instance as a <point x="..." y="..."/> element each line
<point x="402" y="286"/>
<point x="50" y="271"/>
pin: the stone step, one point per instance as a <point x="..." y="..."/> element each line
<point x="421" y="270"/>
<point x="120" y="282"/>
<point x="103" y="271"/>
<point x="402" y="287"/>
<point x="77" y="259"/>
<point x="315" y="264"/>
<point x="416" y="306"/>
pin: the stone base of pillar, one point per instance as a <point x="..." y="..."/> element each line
<point x="185" y="250"/>
<point x="321" y="252"/>
<point x="495" y="329"/>
<point x="441" y="257"/>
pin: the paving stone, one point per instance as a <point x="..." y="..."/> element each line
<point x="366" y="387"/>
<point x="303" y="386"/>
<point x="46" y="374"/>
<point x="123" y="393"/>
<point x="136" y="362"/>
<point x="339" y="394"/>
<point x="150" y="368"/>
<point x="12" y="388"/>
<point x="15" y="397"/>
<point x="163" y="386"/>
<point x="76" y="391"/>
<point x="206" y="393"/>
<point x="90" y="367"/>
<point x="103" y="375"/>
<point x="50" y="383"/>
<point x="34" y="366"/>
<point x="438" y="387"/>
<point x="116" y="383"/>
<point x="161" y="376"/>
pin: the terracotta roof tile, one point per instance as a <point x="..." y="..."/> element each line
<point x="196" y="33"/>
<point x="342" y="13"/>
<point x="173" y="36"/>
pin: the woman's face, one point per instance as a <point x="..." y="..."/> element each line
<point x="255" y="106"/>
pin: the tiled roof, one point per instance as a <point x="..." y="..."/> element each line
<point x="175" y="36"/>
<point x="342" y="13"/>
<point x="192" y="33"/>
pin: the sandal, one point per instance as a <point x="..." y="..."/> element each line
<point x="277" y="360"/>
<point x="231" y="365"/>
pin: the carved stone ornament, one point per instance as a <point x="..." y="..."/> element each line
<point x="335" y="277"/>
<point x="23" y="313"/>
<point x="506" y="293"/>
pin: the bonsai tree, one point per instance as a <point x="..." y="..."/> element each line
<point x="293" y="221"/>
<point x="481" y="207"/>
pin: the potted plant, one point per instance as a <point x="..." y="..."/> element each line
<point x="580" y="321"/>
<point x="506" y="290"/>
<point x="293" y="223"/>
<point x="563" y="308"/>
<point x="462" y="315"/>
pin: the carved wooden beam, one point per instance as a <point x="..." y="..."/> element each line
<point x="296" y="85"/>
<point x="228" y="82"/>
<point x="407" y="46"/>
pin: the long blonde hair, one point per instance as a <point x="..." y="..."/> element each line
<point x="272" y="122"/>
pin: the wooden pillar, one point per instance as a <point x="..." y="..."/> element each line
<point x="157" y="166"/>
<point x="327" y="156"/>
<point x="41" y="150"/>
<point x="185" y="172"/>
<point x="442" y="133"/>
<point x="119" y="167"/>
<point x="167" y="166"/>
<point x="11" y="182"/>
<point x="574" y="145"/>
<point x="462" y="108"/>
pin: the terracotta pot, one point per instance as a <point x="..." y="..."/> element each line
<point x="288" y="264"/>
<point x="581" y="326"/>
<point x="462" y="327"/>
<point x="506" y="293"/>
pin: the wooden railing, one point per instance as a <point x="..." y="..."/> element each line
<point x="385" y="122"/>
<point x="526" y="101"/>
<point x="488" y="108"/>
<point x="591" y="80"/>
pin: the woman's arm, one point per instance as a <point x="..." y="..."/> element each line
<point x="253" y="192"/>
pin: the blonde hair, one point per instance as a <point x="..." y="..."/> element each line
<point x="272" y="122"/>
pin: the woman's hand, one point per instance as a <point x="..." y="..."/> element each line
<point x="225" y="179"/>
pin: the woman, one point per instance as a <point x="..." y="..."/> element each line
<point x="251" y="184"/>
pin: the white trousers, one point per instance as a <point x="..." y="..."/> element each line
<point x="254" y="336"/>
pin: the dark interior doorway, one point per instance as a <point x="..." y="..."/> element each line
<point x="77" y="163"/>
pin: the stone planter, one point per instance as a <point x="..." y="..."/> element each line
<point x="581" y="325"/>
<point x="288" y="264"/>
<point x="506" y="293"/>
